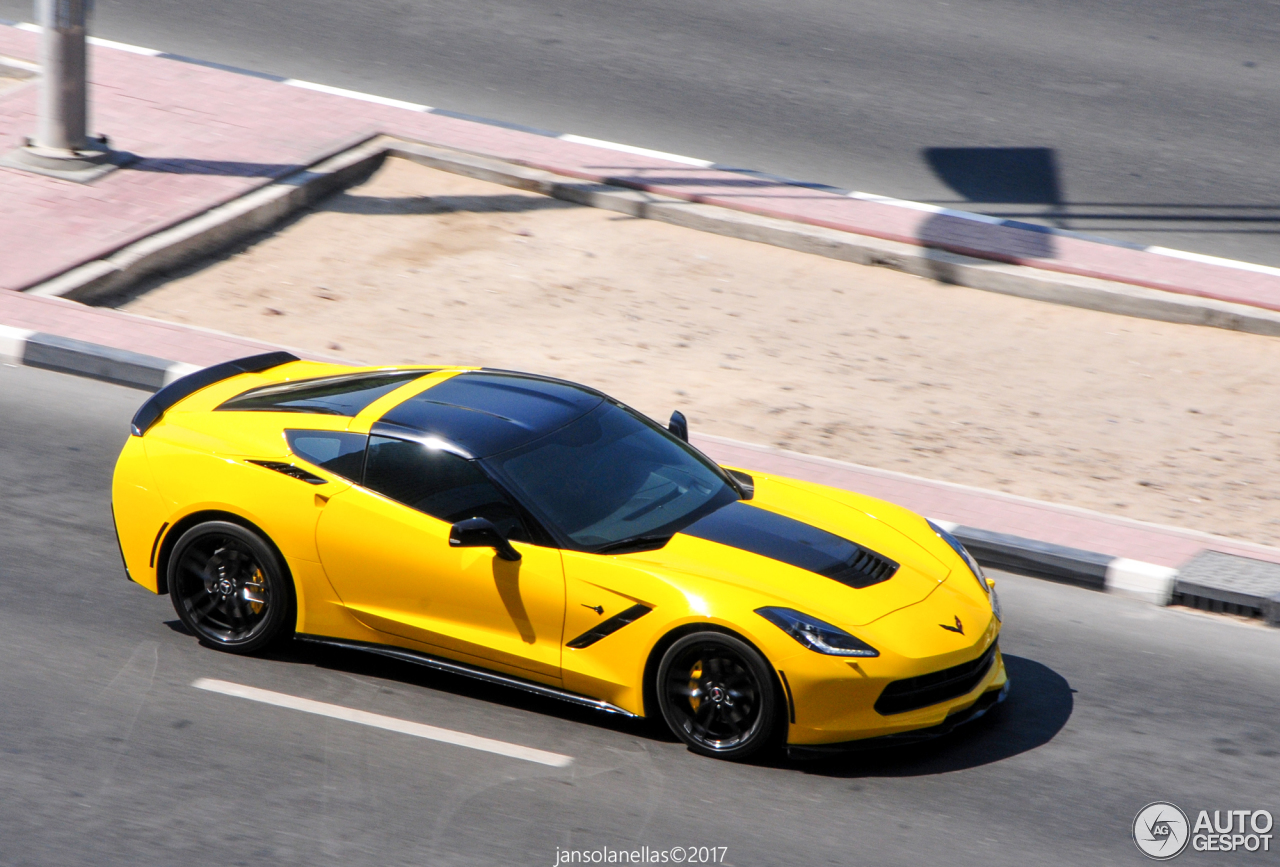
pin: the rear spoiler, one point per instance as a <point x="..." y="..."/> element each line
<point x="180" y="389"/>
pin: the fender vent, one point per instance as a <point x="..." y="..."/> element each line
<point x="290" y="470"/>
<point x="610" y="626"/>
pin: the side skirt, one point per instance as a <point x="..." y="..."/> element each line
<point x="471" y="671"/>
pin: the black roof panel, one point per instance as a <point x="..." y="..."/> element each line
<point x="485" y="413"/>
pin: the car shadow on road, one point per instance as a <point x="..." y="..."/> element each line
<point x="1039" y="704"/>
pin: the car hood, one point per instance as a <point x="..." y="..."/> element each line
<point x="774" y="543"/>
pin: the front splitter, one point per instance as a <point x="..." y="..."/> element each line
<point x="979" y="708"/>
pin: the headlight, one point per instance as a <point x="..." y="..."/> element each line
<point x="995" y="606"/>
<point x="815" y="634"/>
<point x="964" y="555"/>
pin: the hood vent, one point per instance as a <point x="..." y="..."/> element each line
<point x="795" y="543"/>
<point x="863" y="569"/>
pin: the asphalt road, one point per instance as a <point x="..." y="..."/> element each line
<point x="1153" y="120"/>
<point x="108" y="755"/>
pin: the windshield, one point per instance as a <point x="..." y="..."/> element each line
<point x="609" y="477"/>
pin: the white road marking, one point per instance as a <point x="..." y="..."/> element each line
<point x="631" y="149"/>
<point x="355" y="94"/>
<point x="124" y="46"/>
<point x="388" y="723"/>
<point x="1214" y="260"/>
<point x="928" y="209"/>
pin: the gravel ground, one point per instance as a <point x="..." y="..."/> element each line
<point x="1169" y="423"/>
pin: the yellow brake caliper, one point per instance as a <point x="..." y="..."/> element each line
<point x="694" y="674"/>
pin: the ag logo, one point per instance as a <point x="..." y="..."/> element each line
<point x="1161" y="831"/>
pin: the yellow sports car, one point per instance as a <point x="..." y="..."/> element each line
<point x="538" y="533"/>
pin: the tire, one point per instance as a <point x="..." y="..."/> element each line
<point x="717" y="694"/>
<point x="229" y="587"/>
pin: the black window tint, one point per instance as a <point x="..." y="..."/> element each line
<point x="441" y="484"/>
<point x="611" y="476"/>
<point x="331" y="395"/>
<point x="340" y="453"/>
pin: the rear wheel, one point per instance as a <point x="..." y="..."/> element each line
<point x="229" y="588"/>
<point x="717" y="695"/>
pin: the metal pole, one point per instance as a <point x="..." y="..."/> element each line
<point x="62" y="146"/>
<point x="64" y="90"/>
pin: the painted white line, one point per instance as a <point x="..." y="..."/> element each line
<point x="355" y="94"/>
<point x="388" y="723"/>
<point x="94" y="40"/>
<point x="629" y="149"/>
<point x="124" y="46"/>
<point x="929" y="209"/>
<point x="1214" y="260"/>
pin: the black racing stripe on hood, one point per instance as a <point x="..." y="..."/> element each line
<point x="793" y="542"/>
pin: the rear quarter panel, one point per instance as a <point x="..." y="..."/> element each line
<point x="139" y="511"/>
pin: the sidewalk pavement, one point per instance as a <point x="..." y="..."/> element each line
<point x="206" y="136"/>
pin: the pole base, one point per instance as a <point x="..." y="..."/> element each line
<point x="81" y="166"/>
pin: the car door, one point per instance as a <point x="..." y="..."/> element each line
<point x="385" y="548"/>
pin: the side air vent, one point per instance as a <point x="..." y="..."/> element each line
<point x="610" y="626"/>
<point x="917" y="692"/>
<point x="290" y="470"/>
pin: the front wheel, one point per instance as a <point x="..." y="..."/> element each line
<point x="229" y="588"/>
<point x="717" y="695"/>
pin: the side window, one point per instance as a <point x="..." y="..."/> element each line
<point x="340" y="453"/>
<point x="441" y="484"/>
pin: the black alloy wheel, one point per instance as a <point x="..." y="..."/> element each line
<point x="717" y="695"/>
<point x="228" y="587"/>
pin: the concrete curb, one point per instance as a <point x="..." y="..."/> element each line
<point x="217" y="228"/>
<point x="67" y="355"/>
<point x="1132" y="578"/>
<point x="931" y="263"/>
<point x="263" y="208"/>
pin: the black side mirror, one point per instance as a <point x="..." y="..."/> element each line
<point x="679" y="425"/>
<point x="481" y="533"/>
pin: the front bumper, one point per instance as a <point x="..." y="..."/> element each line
<point x="835" y="700"/>
<point x="979" y="708"/>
